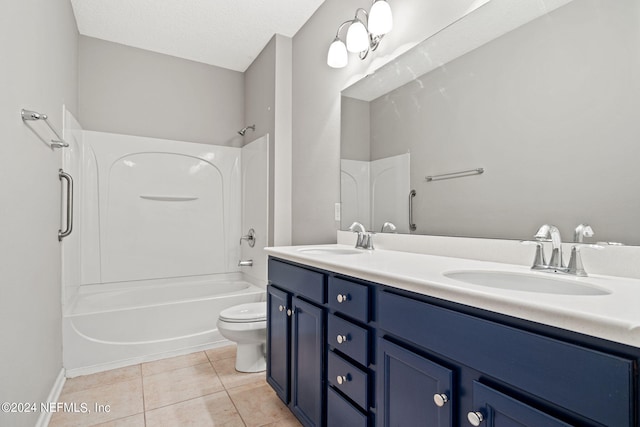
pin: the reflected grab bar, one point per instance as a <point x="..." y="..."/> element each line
<point x="412" y="226"/>
<point x="477" y="171"/>
<point x="69" y="227"/>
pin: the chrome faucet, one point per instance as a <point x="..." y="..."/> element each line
<point x="365" y="239"/>
<point x="388" y="226"/>
<point x="551" y="231"/>
<point x="575" y="266"/>
<point x="582" y="231"/>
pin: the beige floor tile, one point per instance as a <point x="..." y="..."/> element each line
<point x="132" y="421"/>
<point x="178" y="385"/>
<point x="212" y="410"/>
<point x="101" y="378"/>
<point x="290" y="421"/>
<point x="221" y="353"/>
<point x="231" y="378"/>
<point x="124" y="399"/>
<point x="258" y="404"/>
<point x="163" y="365"/>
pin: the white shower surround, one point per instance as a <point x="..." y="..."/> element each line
<point x="153" y="256"/>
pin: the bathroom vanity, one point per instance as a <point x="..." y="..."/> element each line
<point x="364" y="338"/>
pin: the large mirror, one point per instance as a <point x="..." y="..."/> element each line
<point x="548" y="111"/>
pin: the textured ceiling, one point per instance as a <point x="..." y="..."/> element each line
<point x="225" y="33"/>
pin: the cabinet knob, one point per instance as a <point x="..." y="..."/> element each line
<point x="342" y="298"/>
<point x="440" y="399"/>
<point x="289" y="312"/>
<point x="343" y="379"/>
<point x="475" y="418"/>
<point x="281" y="307"/>
<point x="342" y="339"/>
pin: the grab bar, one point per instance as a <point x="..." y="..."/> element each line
<point x="412" y="226"/>
<point x="33" y="115"/>
<point x="63" y="175"/>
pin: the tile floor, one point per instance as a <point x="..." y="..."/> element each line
<point x="198" y="389"/>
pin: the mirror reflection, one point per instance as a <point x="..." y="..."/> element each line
<point x="547" y="110"/>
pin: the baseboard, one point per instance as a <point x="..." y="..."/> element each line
<point x="54" y="394"/>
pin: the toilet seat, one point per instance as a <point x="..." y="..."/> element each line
<point x="243" y="313"/>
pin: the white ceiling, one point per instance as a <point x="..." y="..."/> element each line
<point x="225" y="33"/>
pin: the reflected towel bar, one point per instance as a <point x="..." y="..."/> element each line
<point x="460" y="174"/>
<point x="32" y="115"/>
<point x="169" y="198"/>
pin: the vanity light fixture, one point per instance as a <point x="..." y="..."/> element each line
<point x="363" y="35"/>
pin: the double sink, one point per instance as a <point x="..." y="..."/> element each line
<point x="537" y="282"/>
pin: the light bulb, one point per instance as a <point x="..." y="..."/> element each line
<point x="380" y="18"/>
<point x="337" y="56"/>
<point x="357" y="37"/>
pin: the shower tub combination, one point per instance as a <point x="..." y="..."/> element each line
<point x="153" y="257"/>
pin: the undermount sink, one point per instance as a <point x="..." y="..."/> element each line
<point x="330" y="251"/>
<point x="539" y="283"/>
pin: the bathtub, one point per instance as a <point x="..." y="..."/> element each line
<point x="130" y="323"/>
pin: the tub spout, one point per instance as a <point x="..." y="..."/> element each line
<point x="245" y="263"/>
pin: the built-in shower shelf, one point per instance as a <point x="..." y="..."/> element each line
<point x="169" y="198"/>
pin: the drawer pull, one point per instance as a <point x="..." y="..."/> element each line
<point x="281" y="307"/>
<point x="343" y="379"/>
<point x="342" y="339"/>
<point x="475" y="418"/>
<point x="440" y="399"/>
<point x="342" y="298"/>
<point x="289" y="312"/>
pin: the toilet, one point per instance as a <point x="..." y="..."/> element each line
<point x="246" y="324"/>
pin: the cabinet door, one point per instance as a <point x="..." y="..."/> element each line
<point x="307" y="357"/>
<point x="500" y="410"/>
<point x="407" y="386"/>
<point x="278" y="341"/>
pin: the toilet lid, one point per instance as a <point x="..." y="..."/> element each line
<point x="251" y="312"/>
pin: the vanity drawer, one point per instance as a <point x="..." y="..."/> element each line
<point x="349" y="298"/>
<point x="348" y="338"/>
<point x="348" y="378"/>
<point x="298" y="280"/>
<point x="341" y="413"/>
<point x="596" y="385"/>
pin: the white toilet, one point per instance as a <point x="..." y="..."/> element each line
<point x="246" y="324"/>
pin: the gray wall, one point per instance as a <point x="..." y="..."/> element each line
<point x="268" y="105"/>
<point x="355" y="129"/>
<point x="316" y="105"/>
<point x="38" y="41"/>
<point x="549" y="110"/>
<point x="137" y="92"/>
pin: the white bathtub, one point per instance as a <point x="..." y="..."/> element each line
<point x="136" y="322"/>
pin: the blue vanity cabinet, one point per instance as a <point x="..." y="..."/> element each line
<point x="345" y="352"/>
<point x="296" y="320"/>
<point x="502" y="375"/>
<point x="349" y="347"/>
<point x="499" y="410"/>
<point x="407" y="385"/>
<point x="307" y="355"/>
<point x="279" y="341"/>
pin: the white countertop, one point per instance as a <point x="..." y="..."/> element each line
<point x="615" y="316"/>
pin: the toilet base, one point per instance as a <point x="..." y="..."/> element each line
<point x="251" y="358"/>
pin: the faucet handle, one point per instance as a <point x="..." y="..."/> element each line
<point x="575" y="262"/>
<point x="539" y="261"/>
<point x="582" y="231"/>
